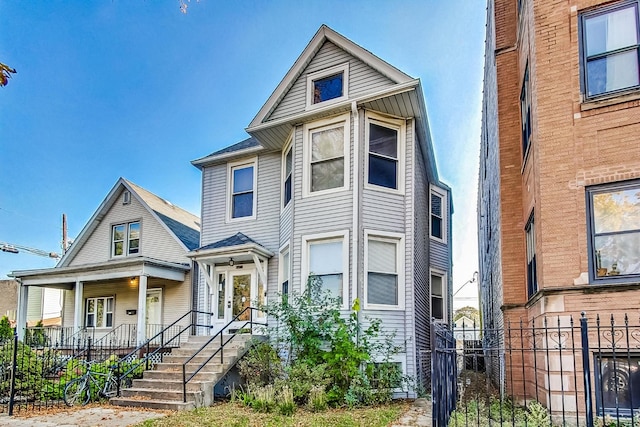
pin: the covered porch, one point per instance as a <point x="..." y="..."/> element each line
<point x="127" y="300"/>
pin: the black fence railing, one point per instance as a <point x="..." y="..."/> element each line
<point x="549" y="371"/>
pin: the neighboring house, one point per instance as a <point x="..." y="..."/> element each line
<point x="128" y="266"/>
<point x="338" y="179"/>
<point x="559" y="190"/>
<point x="9" y="300"/>
<point x="465" y="329"/>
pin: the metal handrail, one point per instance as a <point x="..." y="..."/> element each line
<point x="163" y="344"/>
<point x="185" y="380"/>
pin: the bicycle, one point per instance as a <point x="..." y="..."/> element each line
<point x="79" y="390"/>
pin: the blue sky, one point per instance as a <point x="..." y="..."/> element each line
<point x="137" y="89"/>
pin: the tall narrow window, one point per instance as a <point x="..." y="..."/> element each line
<point x="383" y="156"/>
<point x="285" y="272"/>
<point x="327" y="159"/>
<point x="125" y="239"/>
<point x="287" y="168"/>
<point x="438" y="215"/>
<point x="525" y="112"/>
<point x="530" y="237"/>
<point x="438" y="297"/>
<point x="242" y="197"/>
<point x="610" y="48"/>
<point x="383" y="263"/>
<point x="222" y="280"/>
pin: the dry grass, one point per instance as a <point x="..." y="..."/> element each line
<point x="235" y="415"/>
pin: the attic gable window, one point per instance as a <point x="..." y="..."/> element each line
<point x="125" y="239"/>
<point x="327" y="86"/>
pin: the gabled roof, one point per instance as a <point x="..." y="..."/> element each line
<point x="182" y="225"/>
<point x="324" y="34"/>
<point x="249" y="145"/>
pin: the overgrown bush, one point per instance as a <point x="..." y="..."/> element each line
<point x="6" y="331"/>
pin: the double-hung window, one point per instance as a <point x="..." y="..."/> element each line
<point x="287" y="169"/>
<point x="384" y="165"/>
<point x="125" y="239"/>
<point x="326" y="261"/>
<point x="242" y="200"/>
<point x="438" y="208"/>
<point x="530" y="237"/>
<point x="384" y="287"/>
<point x="326" y="156"/>
<point x="610" y="48"/>
<point x="614" y="224"/>
<point x="99" y="312"/>
<point x="438" y="296"/>
<point x="285" y="271"/>
<point x="525" y="112"/>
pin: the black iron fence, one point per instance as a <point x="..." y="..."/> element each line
<point x="550" y="371"/>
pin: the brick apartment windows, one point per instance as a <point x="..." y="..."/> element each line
<point x="525" y="112"/>
<point x="614" y="224"/>
<point x="610" y="47"/>
<point x="530" y="238"/>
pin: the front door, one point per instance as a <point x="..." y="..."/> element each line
<point x="235" y="291"/>
<point x="153" y="316"/>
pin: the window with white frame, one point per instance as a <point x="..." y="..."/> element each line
<point x="326" y="156"/>
<point x="438" y="296"/>
<point x="285" y="271"/>
<point x="242" y="200"/>
<point x="99" y="312"/>
<point x="326" y="264"/>
<point x="614" y="224"/>
<point x="438" y="215"/>
<point x="384" y="165"/>
<point x="384" y="280"/>
<point x="329" y="85"/>
<point x="125" y="239"/>
<point x="287" y="175"/>
<point x="610" y="46"/>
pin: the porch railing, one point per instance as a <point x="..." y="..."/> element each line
<point x="58" y="337"/>
<point x="220" y="350"/>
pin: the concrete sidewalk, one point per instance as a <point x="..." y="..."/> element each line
<point x="83" y="417"/>
<point x="418" y="415"/>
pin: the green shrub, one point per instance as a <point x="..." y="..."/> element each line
<point x="286" y="405"/>
<point x="264" y="399"/>
<point x="260" y="366"/>
<point x="317" y="399"/>
<point x="6" y="331"/>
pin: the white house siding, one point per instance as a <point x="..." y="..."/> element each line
<point x="362" y="79"/>
<point x="155" y="240"/>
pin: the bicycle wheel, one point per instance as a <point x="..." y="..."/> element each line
<point x="76" y="392"/>
<point x="110" y="387"/>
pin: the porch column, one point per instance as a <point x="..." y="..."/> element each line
<point x="142" y="309"/>
<point x="78" y="306"/>
<point x="23" y="299"/>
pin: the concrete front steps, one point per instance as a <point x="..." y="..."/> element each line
<point x="161" y="387"/>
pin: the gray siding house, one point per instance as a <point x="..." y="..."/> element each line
<point x="338" y="179"/>
<point x="127" y="269"/>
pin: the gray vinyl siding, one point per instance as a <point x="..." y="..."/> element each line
<point x="362" y="79"/>
<point x="155" y="240"/>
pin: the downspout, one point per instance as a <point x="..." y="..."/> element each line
<point x="355" y="233"/>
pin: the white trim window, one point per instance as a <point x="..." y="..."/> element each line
<point x="385" y="148"/>
<point x="610" y="44"/>
<point x="285" y="271"/>
<point x="439" y="295"/>
<point x="384" y="282"/>
<point x="287" y="175"/>
<point x="242" y="179"/>
<point x="326" y="153"/>
<point x="397" y="361"/>
<point x="326" y="257"/>
<point x="438" y="216"/>
<point x="327" y="86"/>
<point x="99" y="312"/>
<point x="125" y="239"/>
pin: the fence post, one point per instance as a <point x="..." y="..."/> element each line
<point x="89" y="349"/>
<point x="586" y="367"/>
<point x="14" y="368"/>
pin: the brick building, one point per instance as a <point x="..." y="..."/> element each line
<point x="559" y="184"/>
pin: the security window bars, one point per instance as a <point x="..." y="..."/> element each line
<point x="125" y="239"/>
<point x="383" y="156"/>
<point x="610" y="48"/>
<point x="382" y="274"/>
<point x="617" y="384"/>
<point x="614" y="216"/>
<point x="530" y="237"/>
<point x="99" y="312"/>
<point x="327" y="159"/>
<point x="242" y="197"/>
